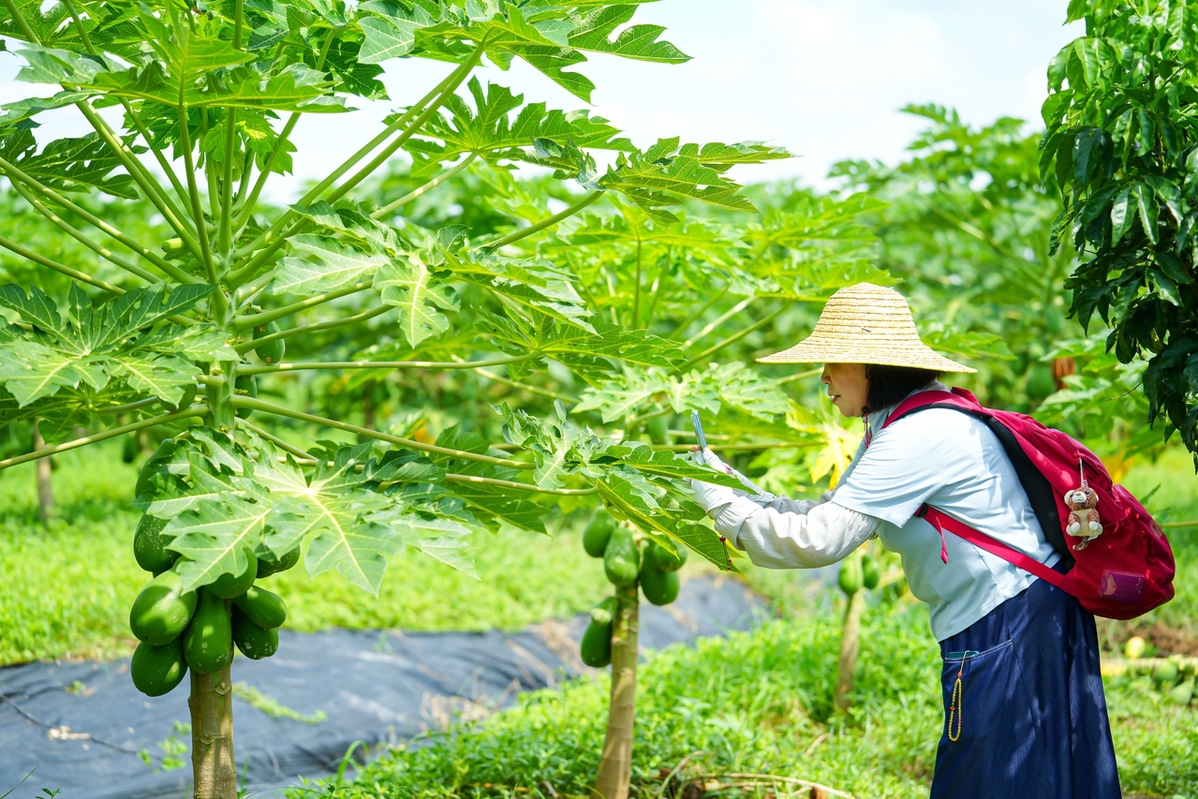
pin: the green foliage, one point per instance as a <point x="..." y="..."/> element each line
<point x="1121" y="142"/>
<point x="753" y="703"/>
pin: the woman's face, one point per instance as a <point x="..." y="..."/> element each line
<point x="848" y="386"/>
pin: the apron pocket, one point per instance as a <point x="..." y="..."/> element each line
<point x="983" y="693"/>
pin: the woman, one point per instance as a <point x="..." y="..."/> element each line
<point x="1024" y="706"/>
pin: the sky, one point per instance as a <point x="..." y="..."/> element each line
<point x="823" y="78"/>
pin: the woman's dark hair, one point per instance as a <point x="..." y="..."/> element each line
<point x="890" y="385"/>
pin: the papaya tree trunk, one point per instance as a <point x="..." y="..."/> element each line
<point x="615" y="767"/>
<point x="213" y="767"/>
<point x="45" y="490"/>
<point x="848" y="651"/>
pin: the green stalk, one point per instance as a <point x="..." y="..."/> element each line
<point x="193" y="191"/>
<point x="732" y="339"/>
<point x="278" y="442"/>
<point x="16" y="174"/>
<point x="800" y="375"/>
<point x="163" y="164"/>
<point x="245" y="322"/>
<point x="490" y="481"/>
<point x="57" y="267"/>
<point x="688" y="321"/>
<point x="636" y="298"/>
<point x="15" y="13"/>
<point x="133" y="167"/>
<point x="390" y="208"/>
<point x="107" y="434"/>
<point x="128" y="406"/>
<point x="238" y="401"/>
<point x="242" y="349"/>
<point x="511" y="238"/>
<point x="246" y="207"/>
<point x="543" y="392"/>
<point x="74" y="233"/>
<point x="308" y="365"/>
<point x="270" y="240"/>
<point x="225" y="227"/>
<point x="724" y="317"/>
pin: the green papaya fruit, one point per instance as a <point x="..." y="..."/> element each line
<point x="665" y="560"/>
<point x="271" y="351"/>
<point x="1166" y="673"/>
<point x="1054" y="320"/>
<point x="595" y="647"/>
<point x="851" y="575"/>
<point x="658" y="429"/>
<point x="129" y="449"/>
<point x="659" y="587"/>
<point x="598" y="532"/>
<point x="228" y="585"/>
<point x="208" y="640"/>
<point x="1041" y="384"/>
<point x="869" y="573"/>
<point x="621" y="561"/>
<point x="162" y="611"/>
<point x="189" y="396"/>
<point x="156" y="670"/>
<point x="149" y="545"/>
<point x="161" y="456"/>
<point x="253" y="641"/>
<point x="248" y="386"/>
<point x="268" y="564"/>
<point x="263" y="608"/>
<point x="1183" y="693"/>
<point x="605" y="611"/>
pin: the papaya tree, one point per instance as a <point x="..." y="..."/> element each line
<point x="192" y="108"/>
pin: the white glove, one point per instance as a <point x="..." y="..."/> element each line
<point x="713" y="497"/>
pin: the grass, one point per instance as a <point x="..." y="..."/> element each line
<point x="754" y="703"/>
<point x="68" y="586"/>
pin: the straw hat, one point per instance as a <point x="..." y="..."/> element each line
<point x="866" y="324"/>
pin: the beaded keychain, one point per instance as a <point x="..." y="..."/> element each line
<point x="955" y="705"/>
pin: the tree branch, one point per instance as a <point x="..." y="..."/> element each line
<point x="544" y="223"/>
<point x="239" y="401"/>
<point x="301" y="366"/>
<point x="107" y="434"/>
<point x="245" y="322"/>
<point x="391" y="207"/>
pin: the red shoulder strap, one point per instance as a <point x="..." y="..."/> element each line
<point x="942" y="521"/>
<point x="959" y="398"/>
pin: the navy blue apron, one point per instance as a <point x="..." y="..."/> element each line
<point x="1025" y="714"/>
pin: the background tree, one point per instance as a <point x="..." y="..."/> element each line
<point x="1122" y="143"/>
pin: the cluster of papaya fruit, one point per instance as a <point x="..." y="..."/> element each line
<point x="197" y="629"/>
<point x="1175" y="675"/>
<point x="625" y="563"/>
<point x="859" y="570"/>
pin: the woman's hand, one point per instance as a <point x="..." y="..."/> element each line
<point x="713" y="497"/>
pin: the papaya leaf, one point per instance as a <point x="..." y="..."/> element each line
<point x="409" y="285"/>
<point x="215" y="538"/>
<point x="321" y="265"/>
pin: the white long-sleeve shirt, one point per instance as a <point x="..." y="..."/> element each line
<point x="782" y="533"/>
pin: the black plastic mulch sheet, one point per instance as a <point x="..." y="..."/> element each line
<point x="84" y="725"/>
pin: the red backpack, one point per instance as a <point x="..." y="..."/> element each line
<point x="1124" y="572"/>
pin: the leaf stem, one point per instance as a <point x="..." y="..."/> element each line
<point x="107" y="434"/>
<point x="244" y="322"/>
<point x="57" y="267"/>
<point x="724" y="317"/>
<point x="515" y="236"/>
<point x="561" y="492"/>
<point x="800" y="375"/>
<point x="76" y="234"/>
<point x="544" y="392"/>
<point x="14" y="172"/>
<point x="271" y="239"/>
<point x="239" y="401"/>
<point x="306" y="365"/>
<point x="685" y="323"/>
<point x="735" y="337"/>
<point x="193" y="191"/>
<point x="391" y="207"/>
<point x="278" y="442"/>
<point x="128" y="406"/>
<point x="19" y="18"/>
<point x="636" y="299"/>
<point x="313" y="328"/>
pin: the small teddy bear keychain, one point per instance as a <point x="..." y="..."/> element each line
<point x="1083" y="519"/>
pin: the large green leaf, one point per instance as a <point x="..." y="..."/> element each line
<point x="320" y="265"/>
<point x="419" y="294"/>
